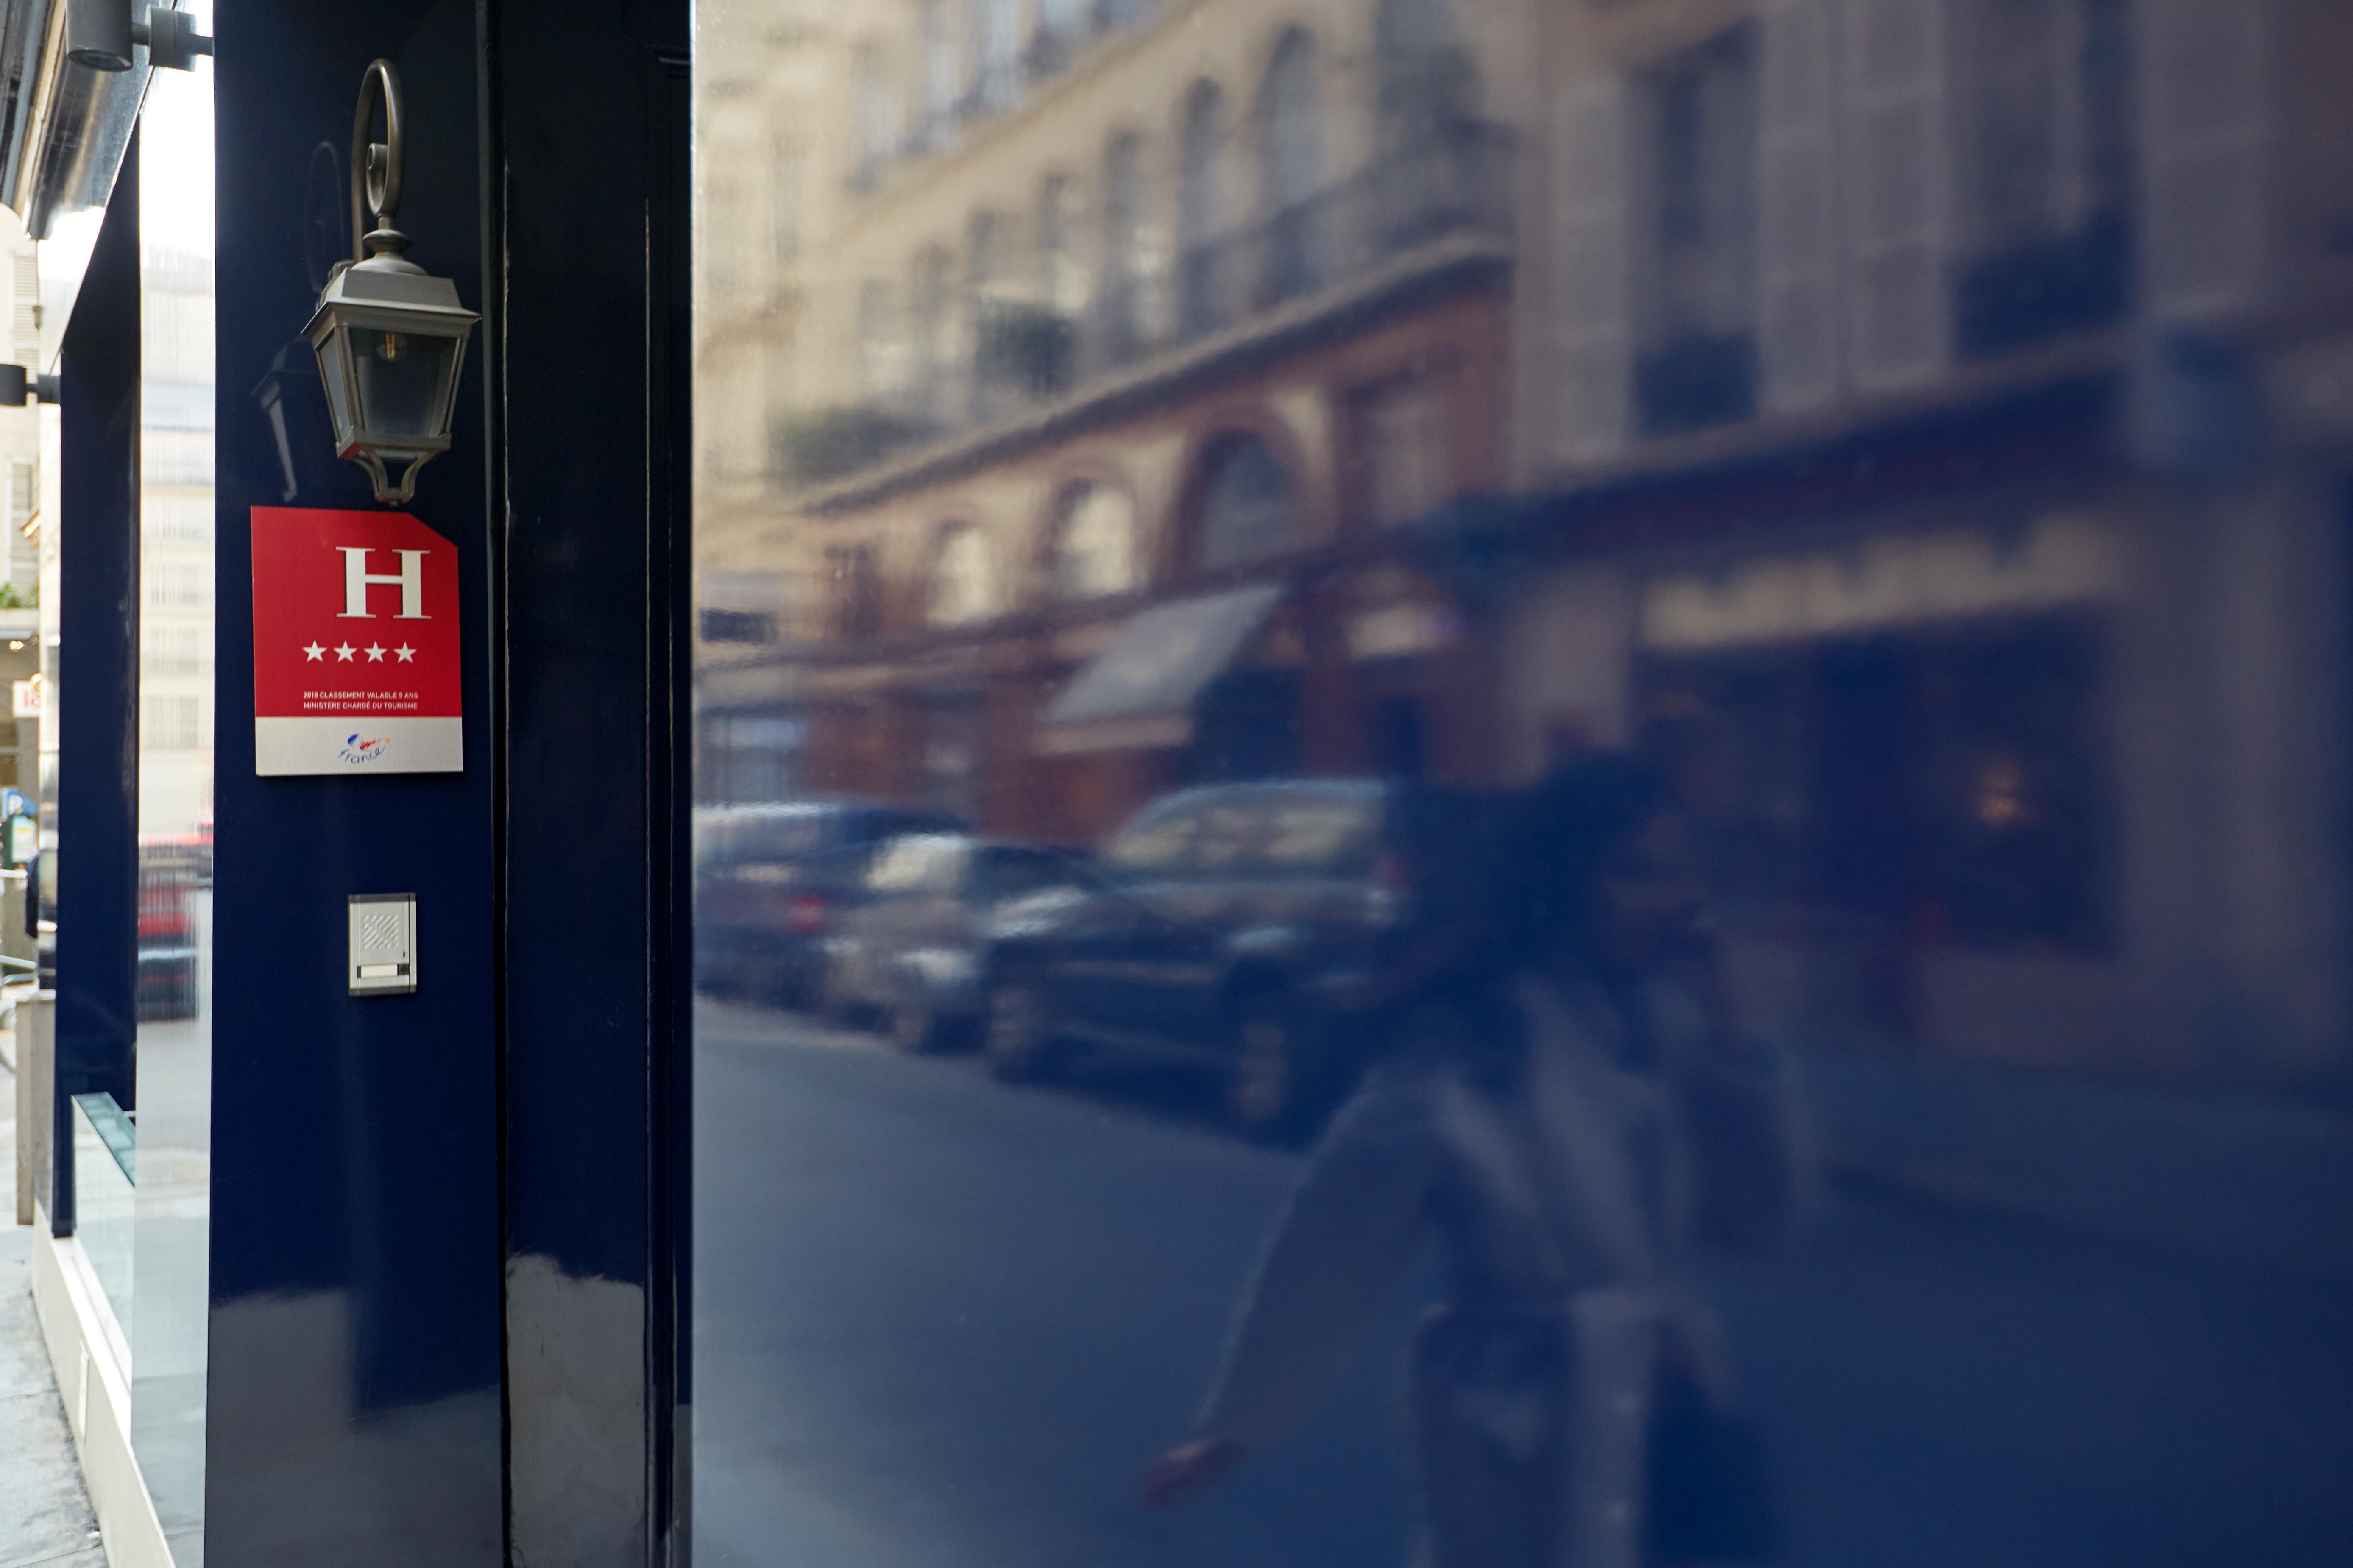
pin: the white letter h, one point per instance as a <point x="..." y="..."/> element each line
<point x="356" y="578"/>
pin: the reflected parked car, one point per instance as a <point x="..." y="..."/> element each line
<point x="915" y="949"/>
<point x="1241" y="928"/>
<point x="772" y="880"/>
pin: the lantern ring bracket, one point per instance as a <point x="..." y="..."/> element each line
<point x="376" y="165"/>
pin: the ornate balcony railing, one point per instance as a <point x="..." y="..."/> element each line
<point x="1455" y="183"/>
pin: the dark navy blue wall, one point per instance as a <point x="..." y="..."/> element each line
<point x="98" y="649"/>
<point x="355" y="1278"/>
<point x="589" y="206"/>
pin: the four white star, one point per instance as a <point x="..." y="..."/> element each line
<point x="344" y="653"/>
<point x="408" y="655"/>
<point x="376" y="654"/>
<point x="315" y="652"/>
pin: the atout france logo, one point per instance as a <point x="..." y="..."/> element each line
<point x="356" y="750"/>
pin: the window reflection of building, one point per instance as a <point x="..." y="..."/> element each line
<point x="2047" y="168"/>
<point x="936" y="46"/>
<point x="1127" y="276"/>
<point x="964" y="578"/>
<point x="854" y="578"/>
<point x="996" y="51"/>
<point x="1698" y="296"/>
<point x="1094" y="551"/>
<point x="1249" y="508"/>
<point x="1201" y="206"/>
<point x="955" y="730"/>
<point x="1062" y="258"/>
<point x="880" y="358"/>
<point x="877" y="109"/>
<point x="936" y="333"/>
<point x="1291" y="170"/>
<point x="1400" y="446"/>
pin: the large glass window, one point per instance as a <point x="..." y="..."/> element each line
<point x="1546" y="782"/>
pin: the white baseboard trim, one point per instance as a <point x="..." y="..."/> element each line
<point x="84" y="1344"/>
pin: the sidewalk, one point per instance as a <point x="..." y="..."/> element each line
<point x="45" y="1515"/>
<point x="2246" y="1181"/>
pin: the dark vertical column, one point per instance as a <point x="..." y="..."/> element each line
<point x="589" y="112"/>
<point x="355" y="1372"/>
<point x="98" y="677"/>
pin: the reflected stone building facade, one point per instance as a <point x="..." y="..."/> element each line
<point x="1909" y="418"/>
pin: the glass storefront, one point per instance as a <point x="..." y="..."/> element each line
<point x="1550" y="783"/>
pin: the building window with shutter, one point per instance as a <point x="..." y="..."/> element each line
<point x="880" y="356"/>
<point x="854" y="577"/>
<point x="962" y="586"/>
<point x="1059" y="256"/>
<point x="1696" y="299"/>
<point x="996" y="53"/>
<point x="1127" y="260"/>
<point x="1204" y="303"/>
<point x="789" y="167"/>
<point x="24" y="502"/>
<point x="171" y="723"/>
<point x="1093" y="551"/>
<point x="2045" y="171"/>
<point x="877" y="110"/>
<point x="1401" y="457"/>
<point x="935" y="335"/>
<point x="25" y="308"/>
<point x="937" y="47"/>
<point x="1290" y="172"/>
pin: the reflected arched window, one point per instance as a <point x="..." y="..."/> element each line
<point x="988" y="264"/>
<point x="1201" y="206"/>
<point x="1094" y="549"/>
<point x="935" y="323"/>
<point x="1126" y="266"/>
<point x="1428" y="83"/>
<point x="964" y="578"/>
<point x="935" y="41"/>
<point x="1290" y="169"/>
<point x="1250" y="508"/>
<point x="881" y="364"/>
<point x="1058" y="255"/>
<point x="996" y="51"/>
<point x="877" y="110"/>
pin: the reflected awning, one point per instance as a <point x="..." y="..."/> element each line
<point x="1138" y="693"/>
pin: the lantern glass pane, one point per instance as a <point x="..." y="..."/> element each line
<point x="400" y="375"/>
<point x="333" y="357"/>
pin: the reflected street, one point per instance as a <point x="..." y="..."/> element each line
<point x="941" y="1322"/>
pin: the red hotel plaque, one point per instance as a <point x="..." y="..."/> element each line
<point x="355" y="644"/>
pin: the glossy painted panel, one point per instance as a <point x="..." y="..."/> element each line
<point x="354" y="1369"/>
<point x="589" y="206"/>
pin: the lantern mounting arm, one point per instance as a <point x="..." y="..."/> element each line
<point x="377" y="167"/>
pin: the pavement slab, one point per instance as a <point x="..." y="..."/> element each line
<point x="45" y="1515"/>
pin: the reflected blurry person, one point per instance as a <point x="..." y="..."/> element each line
<point x="1567" y="1117"/>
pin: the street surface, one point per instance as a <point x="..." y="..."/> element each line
<point x="944" y="1323"/>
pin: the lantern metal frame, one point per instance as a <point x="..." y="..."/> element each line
<point x="380" y="291"/>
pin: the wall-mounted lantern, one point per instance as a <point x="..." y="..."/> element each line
<point x="390" y="337"/>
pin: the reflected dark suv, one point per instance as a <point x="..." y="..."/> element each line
<point x="1241" y="928"/>
<point x="771" y="882"/>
